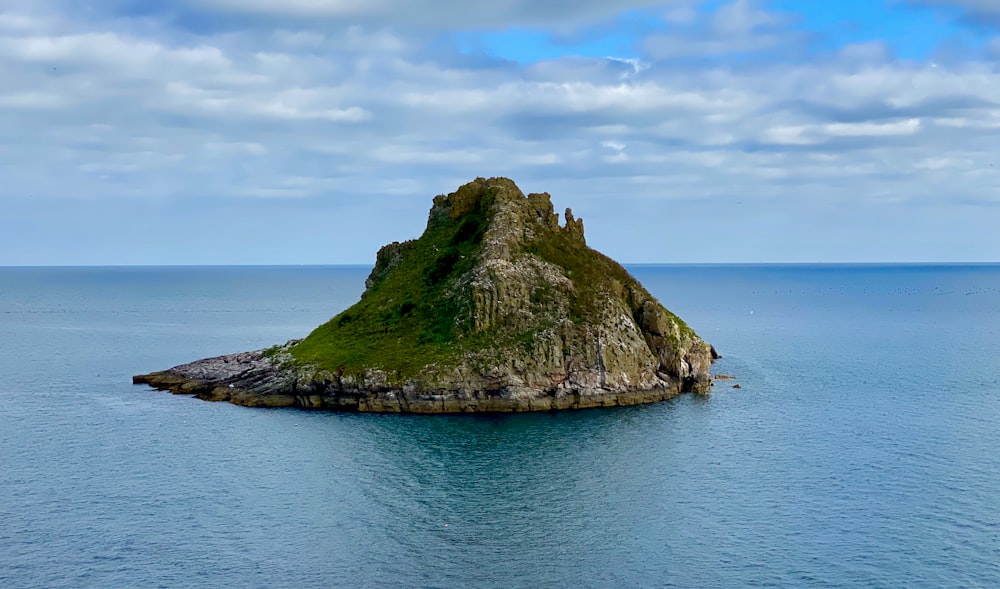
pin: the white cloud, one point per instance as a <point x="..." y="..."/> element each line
<point x="682" y="14"/>
<point x="11" y="22"/>
<point x="138" y="112"/>
<point x="618" y="154"/>
<point x="437" y="14"/>
<point x="740" y="26"/>
<point x="818" y="134"/>
<point x="892" y="129"/>
<point x="225" y="148"/>
<point x="636" y="66"/>
<point x="408" y="155"/>
<point x="986" y="9"/>
<point x="872" y="52"/>
<point x="28" y="100"/>
<point x="742" y="18"/>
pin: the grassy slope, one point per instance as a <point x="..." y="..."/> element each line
<point x="409" y="318"/>
<point x="590" y="271"/>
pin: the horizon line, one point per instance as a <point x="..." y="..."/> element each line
<point x="358" y="265"/>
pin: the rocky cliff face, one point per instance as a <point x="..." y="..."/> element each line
<point x="497" y="307"/>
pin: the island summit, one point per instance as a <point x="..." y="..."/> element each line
<point x="497" y="307"/>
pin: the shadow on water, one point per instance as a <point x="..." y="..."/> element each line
<point x="480" y="497"/>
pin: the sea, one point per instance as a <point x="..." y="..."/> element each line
<point x="861" y="448"/>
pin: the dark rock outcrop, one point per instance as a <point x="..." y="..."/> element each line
<point x="495" y="308"/>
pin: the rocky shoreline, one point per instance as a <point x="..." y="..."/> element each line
<point x="262" y="379"/>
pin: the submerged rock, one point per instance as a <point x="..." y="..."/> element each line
<point x="496" y="307"/>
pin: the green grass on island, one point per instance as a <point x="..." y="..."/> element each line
<point x="407" y="319"/>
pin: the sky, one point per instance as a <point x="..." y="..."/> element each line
<point x="140" y="132"/>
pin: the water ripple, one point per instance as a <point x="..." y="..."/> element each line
<point x="860" y="452"/>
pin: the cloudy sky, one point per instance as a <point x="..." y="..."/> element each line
<point x="314" y="131"/>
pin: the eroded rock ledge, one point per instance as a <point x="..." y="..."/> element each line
<point x="496" y="308"/>
<point x="261" y="379"/>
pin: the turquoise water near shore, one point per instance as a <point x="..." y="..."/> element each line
<point x="861" y="451"/>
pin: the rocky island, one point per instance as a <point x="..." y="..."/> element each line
<point x="497" y="307"/>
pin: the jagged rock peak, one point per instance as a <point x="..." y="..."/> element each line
<point x="500" y="193"/>
<point x="494" y="209"/>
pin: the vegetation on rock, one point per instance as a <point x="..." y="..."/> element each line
<point x="411" y="314"/>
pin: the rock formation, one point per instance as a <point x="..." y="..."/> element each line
<point x="496" y="307"/>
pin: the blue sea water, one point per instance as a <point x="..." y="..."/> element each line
<point x="861" y="451"/>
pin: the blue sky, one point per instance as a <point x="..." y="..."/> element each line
<point x="910" y="32"/>
<point x="314" y="131"/>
